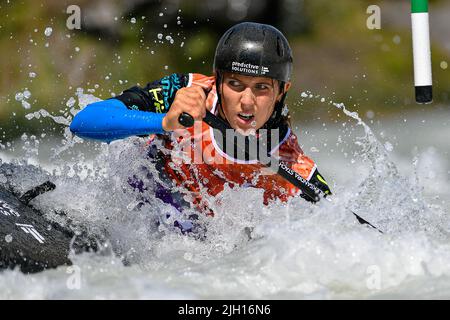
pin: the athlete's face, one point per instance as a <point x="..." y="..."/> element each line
<point x="248" y="102"/>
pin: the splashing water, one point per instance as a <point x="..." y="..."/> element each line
<point x="297" y="250"/>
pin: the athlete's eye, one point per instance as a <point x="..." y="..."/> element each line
<point x="262" y="86"/>
<point x="234" y="83"/>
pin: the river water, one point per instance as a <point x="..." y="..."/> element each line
<point x="392" y="172"/>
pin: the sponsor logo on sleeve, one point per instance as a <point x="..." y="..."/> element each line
<point x="170" y="85"/>
<point x="158" y="101"/>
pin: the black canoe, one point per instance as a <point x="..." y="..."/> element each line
<point x="28" y="240"/>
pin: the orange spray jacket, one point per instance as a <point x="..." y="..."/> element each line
<point x="195" y="160"/>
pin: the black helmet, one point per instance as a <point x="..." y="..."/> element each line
<point x="254" y="49"/>
<point x="257" y="50"/>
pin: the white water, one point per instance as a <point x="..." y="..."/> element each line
<point x="299" y="251"/>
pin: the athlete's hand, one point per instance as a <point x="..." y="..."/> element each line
<point x="191" y="100"/>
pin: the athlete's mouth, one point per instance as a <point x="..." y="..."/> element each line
<point x="246" y="116"/>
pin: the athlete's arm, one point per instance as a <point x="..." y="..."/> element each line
<point x="137" y="111"/>
<point x="110" y="120"/>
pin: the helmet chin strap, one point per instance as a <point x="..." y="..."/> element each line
<point x="275" y="118"/>
<point x="219" y="84"/>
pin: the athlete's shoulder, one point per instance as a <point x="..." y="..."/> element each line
<point x="177" y="81"/>
<point x="163" y="91"/>
<point x="158" y="95"/>
<point x="201" y="80"/>
<point x="289" y="149"/>
<point x="291" y="152"/>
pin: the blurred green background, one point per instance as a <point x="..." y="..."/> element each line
<point x="123" y="43"/>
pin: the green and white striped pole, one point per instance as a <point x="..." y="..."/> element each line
<point x="421" y="50"/>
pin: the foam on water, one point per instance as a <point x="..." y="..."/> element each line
<point x="297" y="250"/>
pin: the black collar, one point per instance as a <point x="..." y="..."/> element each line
<point x="252" y="146"/>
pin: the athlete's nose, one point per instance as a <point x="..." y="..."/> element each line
<point x="247" y="98"/>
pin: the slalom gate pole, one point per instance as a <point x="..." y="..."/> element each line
<point x="421" y="51"/>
